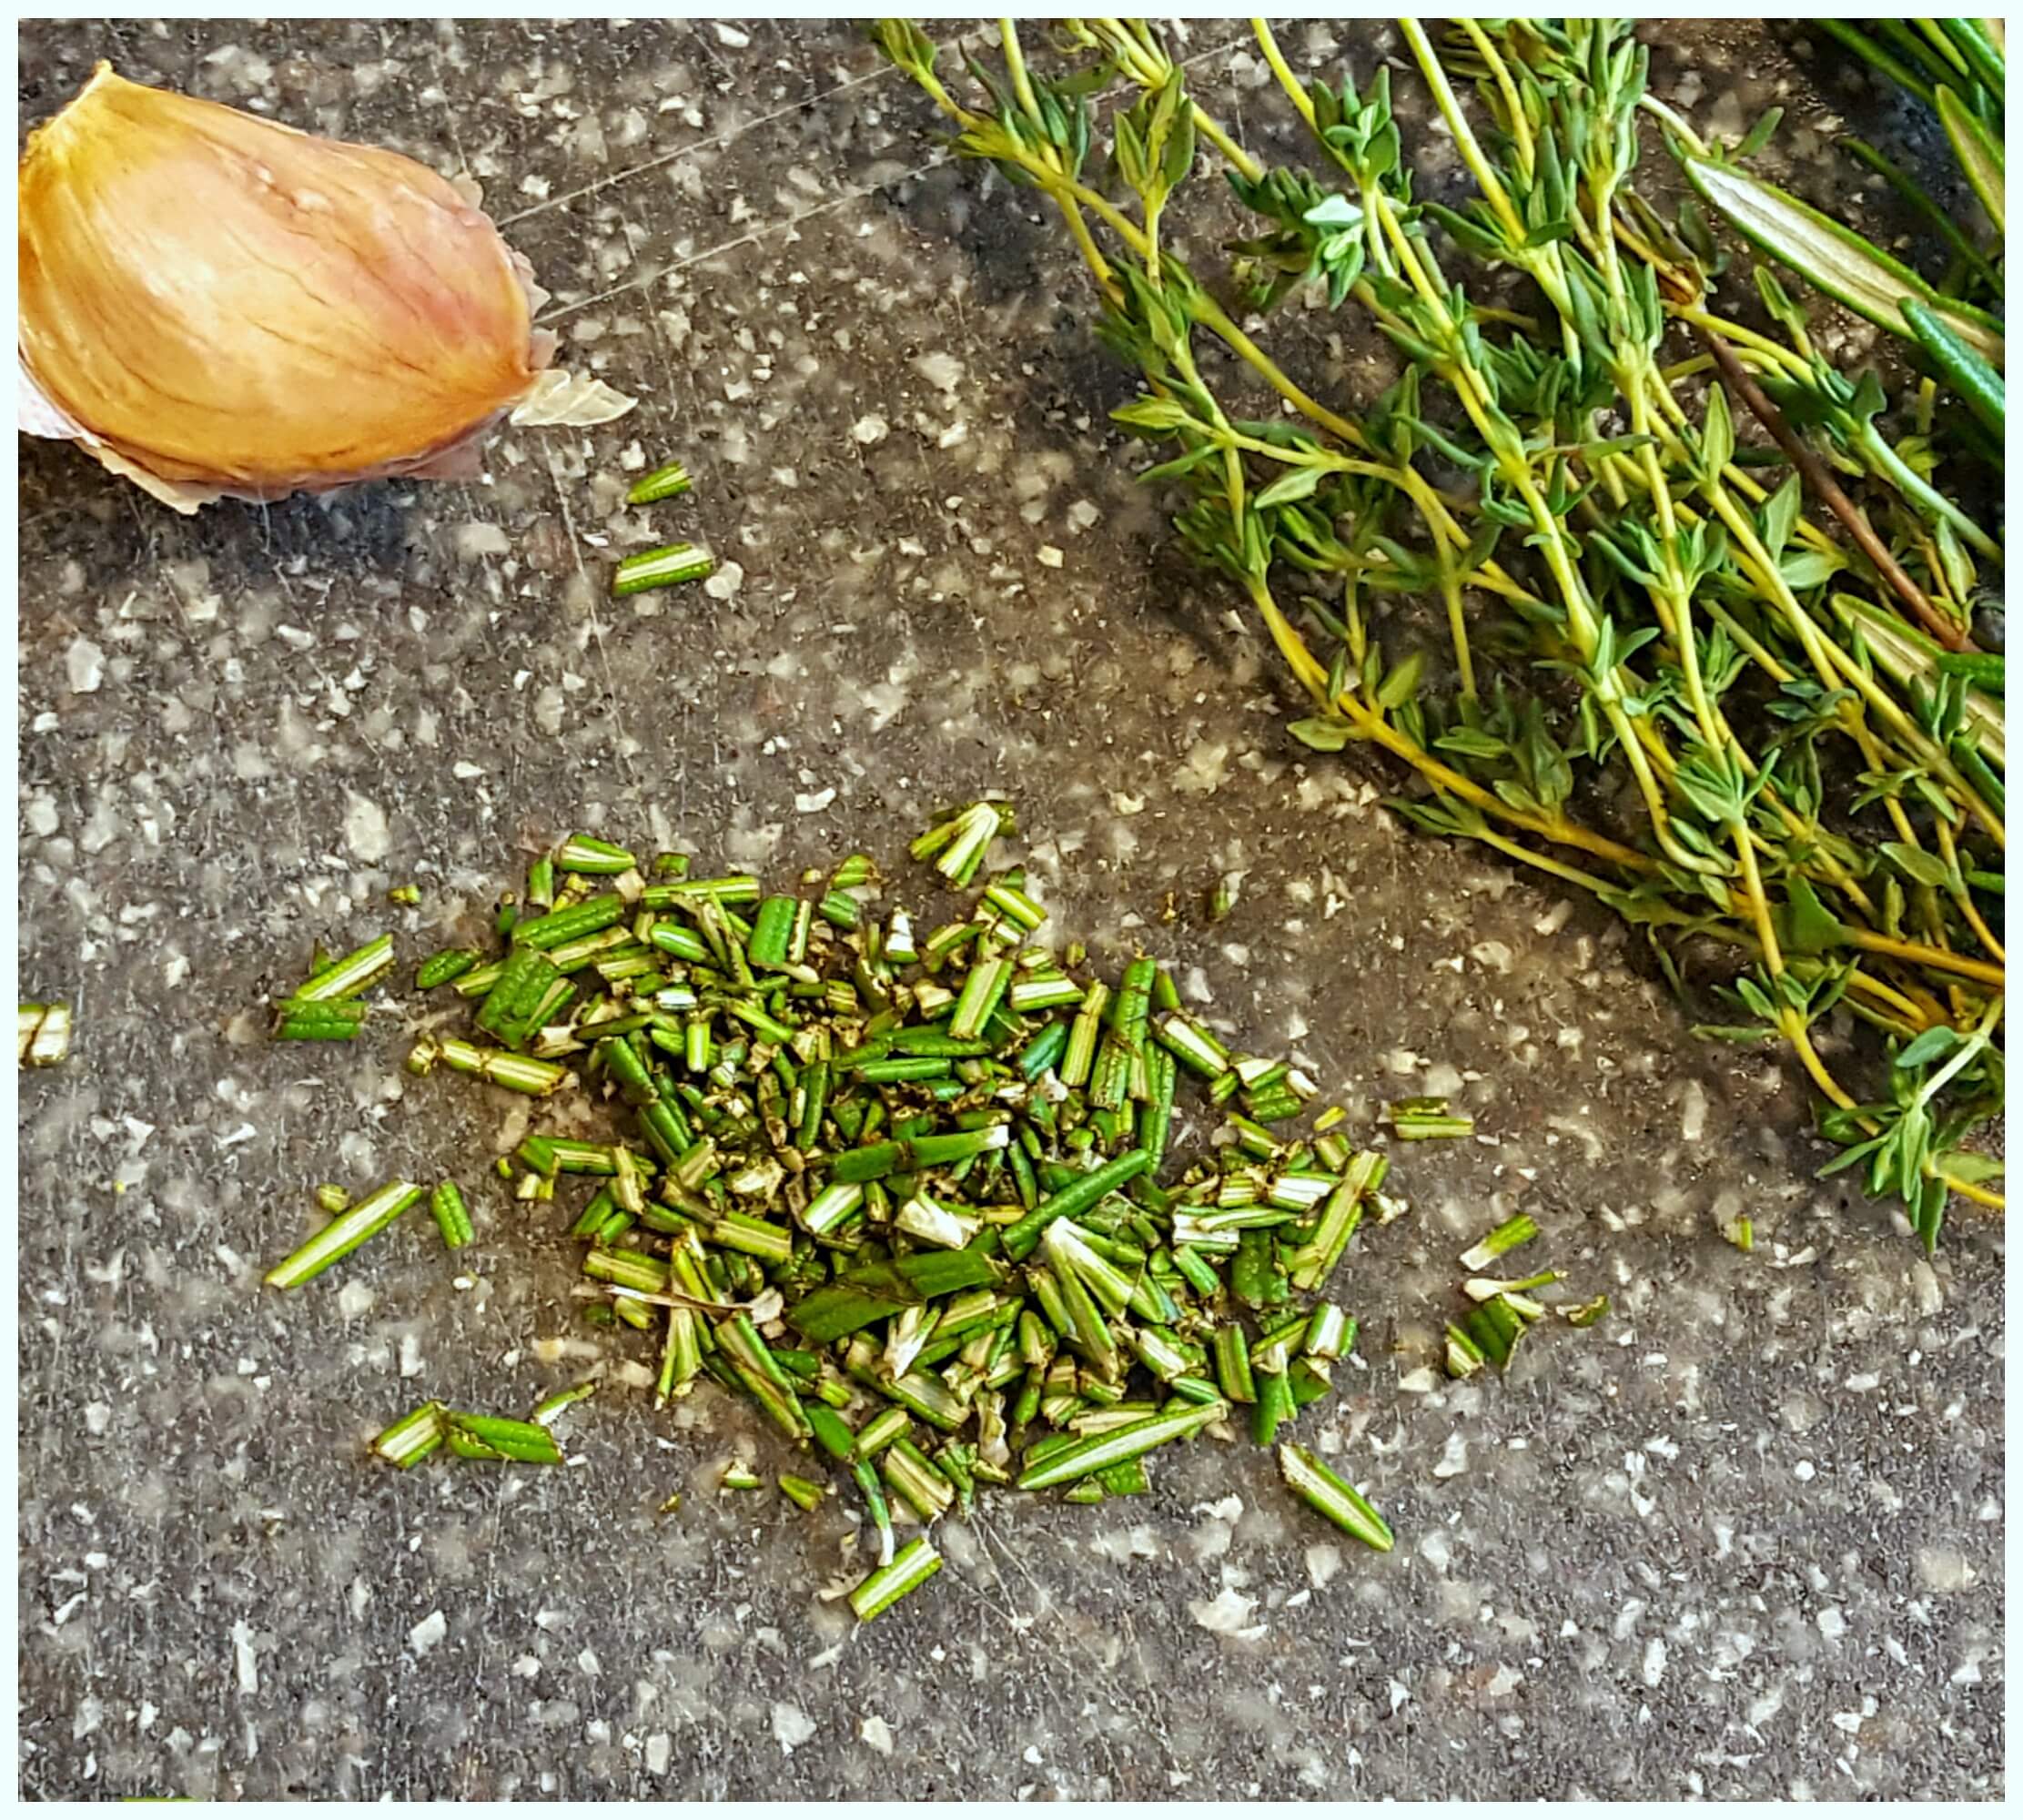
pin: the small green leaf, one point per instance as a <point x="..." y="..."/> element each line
<point x="1915" y="863"/>
<point x="1931" y="1045"/>
<point x="1323" y="734"/>
<point x="1970" y="1166"/>
<point x="1810" y="928"/>
<point x="1295" y="483"/>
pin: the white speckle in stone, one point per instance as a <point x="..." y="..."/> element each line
<point x="1201" y="772"/>
<point x="1050" y="556"/>
<point x="875" y="1733"/>
<point x="869" y="432"/>
<point x="429" y="1633"/>
<point x="727" y="580"/>
<point x="660" y="1753"/>
<point x="1495" y="956"/>
<point x="478" y="540"/>
<point x="365" y="828"/>
<point x="813" y="803"/>
<point x="98" y="1418"/>
<point x="1944" y="1570"/>
<point x="86" y="665"/>
<point x="731" y="35"/>
<point x="410" y="1356"/>
<point x="1693" y="1112"/>
<point x="1654" y="1662"/>
<point x="354" y="1299"/>
<point x="246" y="1663"/>
<point x="1228" y="1614"/>
<point x="1832" y="1622"/>
<point x="940" y="368"/>
<point x="1931" y="1299"/>
<point x="1453" y="1458"/>
<point x="791" y="1725"/>
<point x="1082" y="515"/>
<point x="1324" y="1562"/>
<point x="90" y="1714"/>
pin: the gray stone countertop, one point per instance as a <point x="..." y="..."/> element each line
<point x="1742" y="1539"/>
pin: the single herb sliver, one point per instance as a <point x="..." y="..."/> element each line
<point x="883" y="1587"/>
<point x="345" y="1234"/>
<point x="664" y="568"/>
<point x="452" y="1217"/>
<point x="1333" y="1496"/>
<point x="346" y="978"/>
<point x="662" y="483"/>
<point x="43" y="1035"/>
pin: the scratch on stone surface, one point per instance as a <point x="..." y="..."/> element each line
<point x="755" y="236"/>
<point x="596" y="624"/>
<point x="715" y="142"/>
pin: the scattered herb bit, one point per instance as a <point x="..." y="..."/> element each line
<point x="804" y="1493"/>
<point x="1415" y="1120"/>
<point x="739" y="1479"/>
<point x="42" y="1034"/>
<point x="1519" y="1229"/>
<point x="1333" y="1496"/>
<point x="548" y="1408"/>
<point x="959" y="845"/>
<point x="666" y="567"/>
<point x="911" y="1567"/>
<point x="344" y="1234"/>
<point x="404" y="894"/>
<point x="662" y="483"/>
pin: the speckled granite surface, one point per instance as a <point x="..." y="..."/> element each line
<point x="1745" y="1539"/>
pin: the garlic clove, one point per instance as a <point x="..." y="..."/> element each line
<point x="214" y="304"/>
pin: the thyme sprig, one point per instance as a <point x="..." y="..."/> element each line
<point x="1729" y="689"/>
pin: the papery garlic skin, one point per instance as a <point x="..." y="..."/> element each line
<point x="228" y="306"/>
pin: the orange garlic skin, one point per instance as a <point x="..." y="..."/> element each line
<point x="231" y="306"/>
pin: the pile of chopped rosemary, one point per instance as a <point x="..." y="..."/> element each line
<point x="914" y="1197"/>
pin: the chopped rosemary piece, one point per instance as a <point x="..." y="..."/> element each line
<point x="347" y="977"/>
<point x="344" y="1234"/>
<point x="804" y="1493"/>
<point x="882" y="1587"/>
<point x="663" y="483"/>
<point x="1519" y="1229"/>
<point x="451" y="1217"/>
<point x="1415" y="1120"/>
<point x="666" y="567"/>
<point x="1333" y="1496"/>
<point x="42" y="1034"/>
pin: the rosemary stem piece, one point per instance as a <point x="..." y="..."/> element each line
<point x="663" y="483"/>
<point x="344" y="1234"/>
<point x="42" y="1034"/>
<point x="666" y="567"/>
<point x="1333" y="1496"/>
<point x="451" y="1217"/>
<point x="1129" y="1442"/>
<point x="347" y="977"/>
<point x="880" y="1590"/>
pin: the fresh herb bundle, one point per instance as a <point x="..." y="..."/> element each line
<point x="1683" y="670"/>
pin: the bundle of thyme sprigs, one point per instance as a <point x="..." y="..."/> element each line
<point x="1729" y="687"/>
